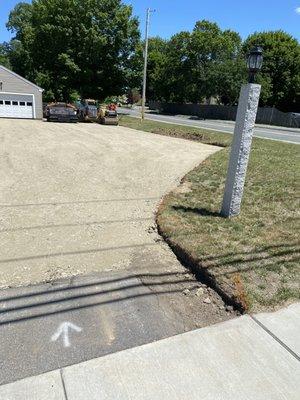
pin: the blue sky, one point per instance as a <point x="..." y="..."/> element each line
<point x="173" y="16"/>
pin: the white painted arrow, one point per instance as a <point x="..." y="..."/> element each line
<point x="63" y="330"/>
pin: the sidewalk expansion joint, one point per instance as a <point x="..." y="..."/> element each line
<point x="275" y="338"/>
<point x="63" y="384"/>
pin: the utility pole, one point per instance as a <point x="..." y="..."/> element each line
<point x="149" y="11"/>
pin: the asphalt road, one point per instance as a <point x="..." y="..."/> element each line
<point x="289" y="135"/>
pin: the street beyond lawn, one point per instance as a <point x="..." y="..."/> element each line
<point x="254" y="258"/>
<point x="282" y="134"/>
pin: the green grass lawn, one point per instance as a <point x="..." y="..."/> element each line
<point x="252" y="259"/>
<point x="185" y="132"/>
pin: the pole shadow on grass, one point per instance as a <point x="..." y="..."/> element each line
<point x="268" y="258"/>
<point x="205" y="212"/>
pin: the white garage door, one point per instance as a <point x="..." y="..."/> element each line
<point x="16" y="105"/>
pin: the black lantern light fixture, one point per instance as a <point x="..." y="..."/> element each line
<point x="254" y="62"/>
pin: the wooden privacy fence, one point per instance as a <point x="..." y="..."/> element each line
<point x="265" y="115"/>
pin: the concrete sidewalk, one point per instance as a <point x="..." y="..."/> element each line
<point x="242" y="359"/>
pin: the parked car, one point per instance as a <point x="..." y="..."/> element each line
<point x="61" y="112"/>
<point x="87" y="110"/>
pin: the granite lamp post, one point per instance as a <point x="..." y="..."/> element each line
<point x="242" y="138"/>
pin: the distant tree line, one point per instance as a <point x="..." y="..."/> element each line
<point x="92" y="48"/>
<point x="208" y="62"/>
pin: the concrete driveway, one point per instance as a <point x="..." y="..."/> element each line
<point x="81" y="198"/>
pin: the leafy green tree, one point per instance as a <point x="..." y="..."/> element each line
<point x="201" y="64"/>
<point x="177" y="69"/>
<point x="20" y="20"/>
<point x="280" y="75"/>
<point x="229" y="76"/>
<point x="4" y="55"/>
<point x="208" y="62"/>
<point x="156" y="65"/>
<point x="74" y="45"/>
<point x="230" y="71"/>
<point x="19" y="24"/>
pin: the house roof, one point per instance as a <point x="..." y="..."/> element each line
<point x="21" y="77"/>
